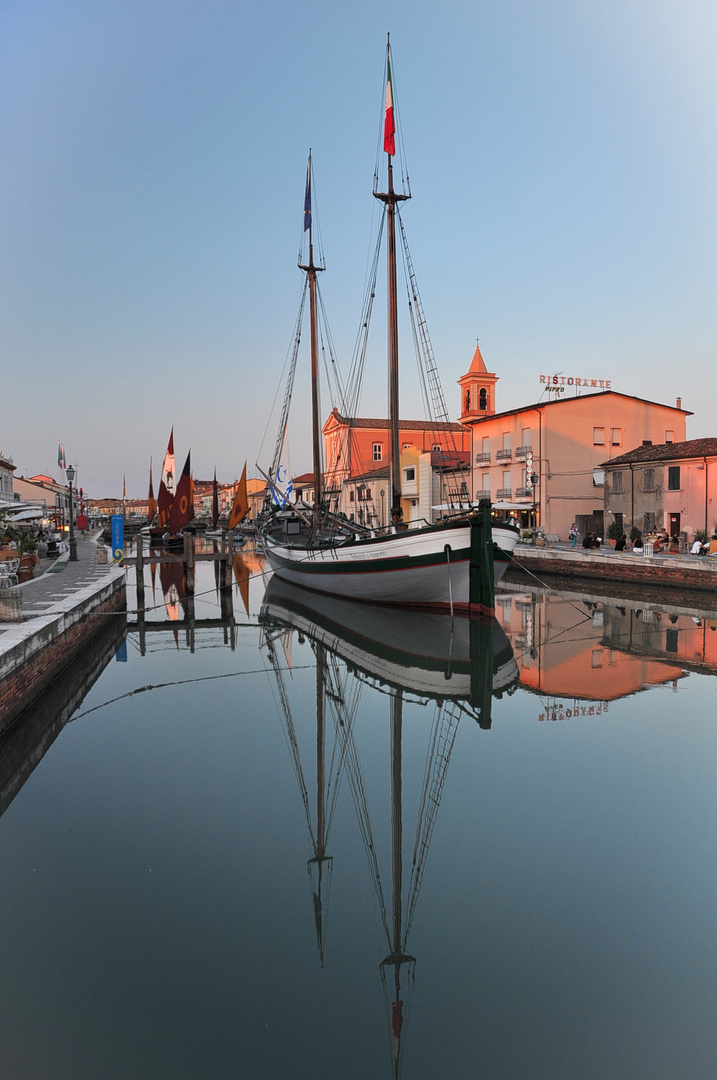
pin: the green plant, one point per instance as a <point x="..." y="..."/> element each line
<point x="614" y="530"/>
<point x="701" y="535"/>
<point x="634" y="532"/>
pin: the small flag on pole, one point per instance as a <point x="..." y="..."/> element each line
<point x="307" y="197"/>
<point x="389" y="126"/>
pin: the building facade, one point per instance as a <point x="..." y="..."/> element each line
<point x="670" y="486"/>
<point x="544" y="463"/>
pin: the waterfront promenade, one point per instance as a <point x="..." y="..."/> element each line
<point x="559" y="559"/>
<point x="48" y="621"/>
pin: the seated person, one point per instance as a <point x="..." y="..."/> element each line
<point x="713" y="544"/>
<point x="698" y="548"/>
<point x="588" y="540"/>
<point x="638" y="547"/>
<point x="675" y="545"/>
<point x="621" y="543"/>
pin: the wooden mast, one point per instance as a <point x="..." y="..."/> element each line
<point x="391" y="198"/>
<point x="311" y="271"/>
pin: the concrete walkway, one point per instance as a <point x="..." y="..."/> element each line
<point x="61" y="579"/>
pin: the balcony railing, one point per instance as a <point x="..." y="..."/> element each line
<point x="521" y="451"/>
<point x="482" y="494"/>
<point x="503" y="493"/>
<point x="482" y="457"/>
<point x="502" y="454"/>
<point x="522" y="493"/>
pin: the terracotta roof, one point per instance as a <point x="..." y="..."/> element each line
<point x="406" y="425"/>
<point x="305" y="478"/>
<point x="373" y="474"/>
<point x="557" y="402"/>
<point x="692" y="448"/>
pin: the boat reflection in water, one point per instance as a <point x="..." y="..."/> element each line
<point x="455" y="665"/>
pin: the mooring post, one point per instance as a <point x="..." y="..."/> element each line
<point x="481" y="594"/>
<point x="482" y="648"/>
<point x="189" y="563"/>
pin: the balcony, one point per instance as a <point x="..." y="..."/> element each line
<point x="504" y="493"/>
<point x="501" y="455"/>
<point x="482" y="495"/>
<point x="521" y="451"/>
<point x="523" y="493"/>
<point x="482" y="457"/>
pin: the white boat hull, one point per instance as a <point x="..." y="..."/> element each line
<point x="428" y="567"/>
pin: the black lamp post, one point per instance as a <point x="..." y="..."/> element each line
<point x="73" y="542"/>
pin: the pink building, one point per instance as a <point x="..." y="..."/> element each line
<point x="544" y="463"/>
<point x="670" y="486"/>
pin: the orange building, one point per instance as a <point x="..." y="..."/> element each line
<point x="544" y="462"/>
<point x="355" y="447"/>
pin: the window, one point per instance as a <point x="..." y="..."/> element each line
<point x="483" y="400"/>
<point x="616" y="436"/>
<point x="617" y="483"/>
<point x="648" y="523"/>
<point x="671" y="641"/>
<point x="409" y="474"/>
<point x="378" y="451"/>
<point x="362" y="493"/>
<point x="669" y="436"/>
<point x="485" y="443"/>
<point x="506" y="480"/>
<point x="673" y="478"/>
<point x="598" y="436"/>
<point x="506" y="440"/>
<point x="526" y="436"/>
<point x="649" y="475"/>
<point x="598" y="477"/>
<point x="405" y="446"/>
<point x="436" y="449"/>
<point x="352" y="496"/>
<point x="485" y="484"/>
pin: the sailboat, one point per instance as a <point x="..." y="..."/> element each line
<point x="165" y="496"/>
<point x="452" y="564"/>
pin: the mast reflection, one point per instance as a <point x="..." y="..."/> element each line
<point x="455" y="665"/>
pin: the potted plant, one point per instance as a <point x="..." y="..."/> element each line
<point x="614" y="532"/>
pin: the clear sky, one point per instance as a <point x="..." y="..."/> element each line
<point x="563" y="163"/>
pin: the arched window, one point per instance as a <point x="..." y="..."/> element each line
<point x="483" y="399"/>
<point x="468" y="401"/>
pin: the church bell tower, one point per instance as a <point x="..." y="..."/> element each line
<point x="477" y="391"/>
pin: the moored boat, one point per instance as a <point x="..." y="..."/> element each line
<point x="450" y="564"/>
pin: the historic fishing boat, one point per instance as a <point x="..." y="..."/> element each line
<point x="165" y="495"/>
<point x="452" y="563"/>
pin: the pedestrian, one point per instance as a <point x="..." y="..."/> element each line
<point x="573" y="535"/>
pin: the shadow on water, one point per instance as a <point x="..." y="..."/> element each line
<point x="25" y="743"/>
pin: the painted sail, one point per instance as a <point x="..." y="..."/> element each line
<point x="166" y="485"/>
<point x="182" y="510"/>
<point x="151" y="504"/>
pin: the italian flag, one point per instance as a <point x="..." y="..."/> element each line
<point x="389" y="127"/>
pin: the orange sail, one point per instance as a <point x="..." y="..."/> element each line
<point x="240" y="508"/>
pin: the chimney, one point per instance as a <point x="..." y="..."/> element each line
<point x="679" y="403"/>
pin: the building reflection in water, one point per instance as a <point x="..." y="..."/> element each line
<point x="580" y="651"/>
<point x="454" y="666"/>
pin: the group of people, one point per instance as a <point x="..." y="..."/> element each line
<point x="662" y="543"/>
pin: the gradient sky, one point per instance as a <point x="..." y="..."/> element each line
<point x="563" y="165"/>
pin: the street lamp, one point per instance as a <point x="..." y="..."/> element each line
<point x="73" y="542"/>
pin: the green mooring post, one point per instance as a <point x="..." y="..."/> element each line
<point x="482" y="585"/>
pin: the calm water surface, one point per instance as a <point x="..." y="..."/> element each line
<point x="305" y="856"/>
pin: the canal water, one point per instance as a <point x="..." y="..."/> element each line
<point x="309" y="840"/>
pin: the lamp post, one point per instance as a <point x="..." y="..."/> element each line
<point x="73" y="542"/>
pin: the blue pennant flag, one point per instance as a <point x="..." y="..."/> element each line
<point x="307" y="197"/>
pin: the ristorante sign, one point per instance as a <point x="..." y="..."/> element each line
<point x="557" y="384"/>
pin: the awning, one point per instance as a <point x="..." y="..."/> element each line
<point x="27" y="515"/>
